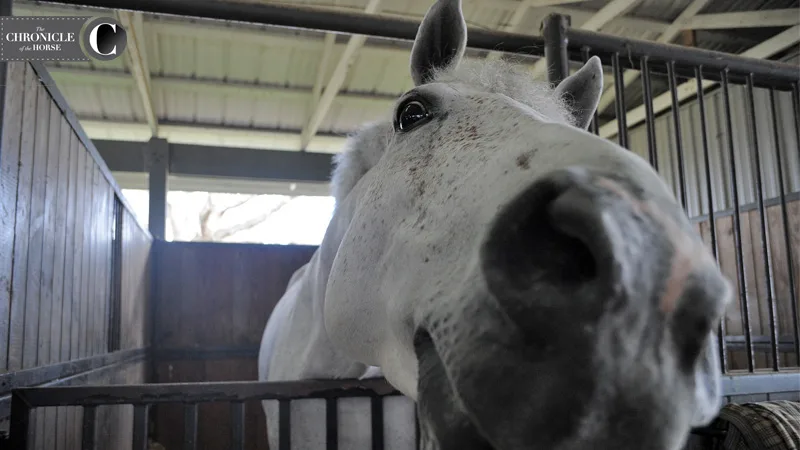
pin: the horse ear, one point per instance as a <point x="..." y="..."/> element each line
<point x="441" y="40"/>
<point x="582" y="90"/>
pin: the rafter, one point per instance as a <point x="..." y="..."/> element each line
<point x="612" y="10"/>
<point x="120" y="79"/>
<point x="336" y="81"/>
<point x="663" y="102"/>
<point x="745" y="19"/>
<point x="140" y="69"/>
<point x="189" y="133"/>
<point x="673" y="31"/>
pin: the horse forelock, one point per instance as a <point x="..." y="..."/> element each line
<point x="364" y="148"/>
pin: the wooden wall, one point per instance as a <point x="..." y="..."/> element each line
<point x="756" y="281"/>
<point x="57" y="241"/>
<point x="210" y="310"/>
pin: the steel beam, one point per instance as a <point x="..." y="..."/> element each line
<point x="226" y="162"/>
<point x="310" y="18"/>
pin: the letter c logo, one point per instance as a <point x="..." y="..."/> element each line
<point x="93" y="38"/>
<point x="104" y="39"/>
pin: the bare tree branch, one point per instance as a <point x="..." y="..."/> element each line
<point x="205" y="216"/>
<point x="248" y="224"/>
<point x="238" y="204"/>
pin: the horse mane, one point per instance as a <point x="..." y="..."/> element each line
<point x="364" y="148"/>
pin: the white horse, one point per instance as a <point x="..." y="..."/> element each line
<point x="524" y="283"/>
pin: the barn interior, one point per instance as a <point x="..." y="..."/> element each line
<point x="154" y="206"/>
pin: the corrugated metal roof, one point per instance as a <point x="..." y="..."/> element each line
<point x="257" y="77"/>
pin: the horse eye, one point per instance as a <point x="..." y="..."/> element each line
<point x="412" y="114"/>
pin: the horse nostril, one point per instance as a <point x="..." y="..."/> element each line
<point x="532" y="241"/>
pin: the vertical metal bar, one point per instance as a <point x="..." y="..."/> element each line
<point x="619" y="101"/>
<point x="331" y="424"/>
<point x="88" y="432"/>
<point x="773" y="326"/>
<point x="416" y="429"/>
<point x="190" y="426"/>
<point x="676" y="119"/>
<point x="19" y="426"/>
<point x="698" y="74"/>
<point x="650" y="120"/>
<point x="237" y="426"/>
<point x="140" y="427"/>
<point x="795" y="318"/>
<point x="737" y="226"/>
<point x="284" y="425"/>
<point x="594" y="127"/>
<point x="377" y="423"/>
<point x="555" y="47"/>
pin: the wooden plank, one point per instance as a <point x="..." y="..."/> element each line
<point x="35" y="245"/>
<point x="69" y="244"/>
<point x="97" y="212"/>
<point x="108" y="240"/>
<point x="87" y="250"/>
<point x="48" y="307"/>
<point x="9" y="174"/>
<point x="63" y="413"/>
<point x="92" y="282"/>
<point x="57" y="316"/>
<point x="77" y="251"/>
<point x="48" y="248"/>
<point x="22" y="225"/>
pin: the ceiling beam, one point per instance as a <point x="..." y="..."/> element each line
<point x="612" y="10"/>
<point x="220" y="161"/>
<point x="322" y="70"/>
<point x="202" y="134"/>
<point x="745" y="19"/>
<point x="673" y="31"/>
<point x="121" y="79"/>
<point x="140" y="69"/>
<point x="336" y="81"/>
<point x="663" y="102"/>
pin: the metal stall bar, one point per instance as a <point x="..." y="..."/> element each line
<point x="787" y="240"/>
<point x="773" y="325"/>
<point x="795" y="318"/>
<point x="190" y="426"/>
<point x="737" y="226"/>
<point x="766" y="73"/>
<point x="310" y="18"/>
<point x="555" y="47"/>
<point x="284" y="425"/>
<point x="376" y="405"/>
<point x="140" y="427"/>
<point x="619" y="101"/>
<point x="237" y="426"/>
<point x="712" y="223"/>
<point x="676" y="122"/>
<point x="87" y="429"/>
<point x="143" y="396"/>
<point x="650" y="120"/>
<point x="331" y="424"/>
